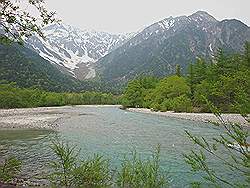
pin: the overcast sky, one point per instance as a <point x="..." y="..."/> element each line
<point x="120" y="16"/>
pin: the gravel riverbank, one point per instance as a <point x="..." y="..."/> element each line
<point x="48" y="117"/>
<point x="38" y="118"/>
<point x="202" y="117"/>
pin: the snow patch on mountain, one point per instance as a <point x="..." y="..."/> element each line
<point x="69" y="46"/>
<point x="167" y="23"/>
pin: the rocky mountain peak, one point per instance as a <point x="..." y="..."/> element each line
<point x="202" y="16"/>
<point x="179" y="40"/>
<point x="72" y="49"/>
<point x="155" y="50"/>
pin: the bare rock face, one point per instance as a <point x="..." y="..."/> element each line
<point x="72" y="49"/>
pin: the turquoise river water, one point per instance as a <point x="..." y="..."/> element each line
<point x="113" y="133"/>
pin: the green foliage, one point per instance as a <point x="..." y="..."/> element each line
<point x="182" y="104"/>
<point x="199" y="71"/>
<point x="69" y="171"/>
<point x="137" y="90"/>
<point x="225" y="82"/>
<point x="5" y="40"/>
<point x="18" y="22"/>
<point x="236" y="159"/>
<point x="64" y="165"/>
<point x="170" y="93"/>
<point x="170" y="88"/>
<point x="178" y="70"/>
<point x="14" y="97"/>
<point x="9" y="169"/>
<point x="137" y="173"/>
<point x="177" y="104"/>
<point x="93" y="172"/>
<point x="166" y="105"/>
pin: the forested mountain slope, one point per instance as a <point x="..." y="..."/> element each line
<point x="160" y="47"/>
<point x="25" y="67"/>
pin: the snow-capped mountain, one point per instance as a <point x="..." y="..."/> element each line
<point x="175" y="40"/>
<point x="74" y="50"/>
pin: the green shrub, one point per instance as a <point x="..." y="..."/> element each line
<point x="155" y="106"/>
<point x="138" y="173"/>
<point x="93" y="172"/>
<point x="64" y="165"/>
<point x="233" y="143"/>
<point x="182" y="104"/>
<point x="9" y="169"/>
<point x="166" y="105"/>
<point x="69" y="171"/>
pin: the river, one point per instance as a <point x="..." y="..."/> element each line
<point x="112" y="133"/>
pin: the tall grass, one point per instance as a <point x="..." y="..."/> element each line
<point x="64" y="165"/>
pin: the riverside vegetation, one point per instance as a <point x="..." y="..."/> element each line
<point x="69" y="170"/>
<point x="222" y="85"/>
<point x="224" y="81"/>
<point x="14" y="97"/>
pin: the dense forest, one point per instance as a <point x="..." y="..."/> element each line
<point x="224" y="81"/>
<point x="25" y="67"/>
<point x="14" y="97"/>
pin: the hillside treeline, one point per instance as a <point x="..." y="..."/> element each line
<point x="12" y="96"/>
<point x="224" y="81"/>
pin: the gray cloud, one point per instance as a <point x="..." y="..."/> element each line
<point x="131" y="15"/>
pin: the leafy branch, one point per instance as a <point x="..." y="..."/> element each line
<point x="234" y="140"/>
<point x="18" y="23"/>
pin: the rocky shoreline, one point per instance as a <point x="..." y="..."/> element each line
<point x="201" y="117"/>
<point x="39" y="118"/>
<point x="48" y="117"/>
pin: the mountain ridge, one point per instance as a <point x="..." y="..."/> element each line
<point x="113" y="60"/>
<point x="161" y="46"/>
<point x="71" y="48"/>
